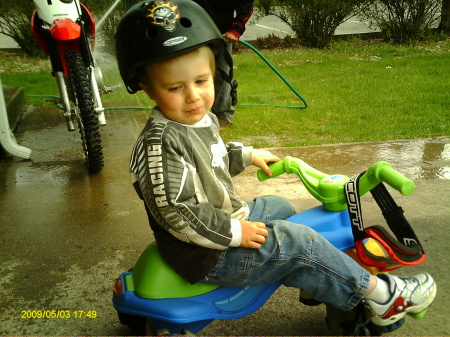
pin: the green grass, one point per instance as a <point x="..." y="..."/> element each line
<point x="356" y="91"/>
<point x="40" y="84"/>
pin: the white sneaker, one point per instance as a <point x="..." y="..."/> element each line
<point x="410" y="295"/>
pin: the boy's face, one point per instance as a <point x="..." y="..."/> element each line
<point x="182" y="87"/>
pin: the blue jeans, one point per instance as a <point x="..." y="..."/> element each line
<point x="295" y="255"/>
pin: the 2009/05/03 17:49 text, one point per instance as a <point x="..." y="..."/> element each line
<point x="58" y="314"/>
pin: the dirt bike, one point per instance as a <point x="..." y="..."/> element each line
<point x="152" y="294"/>
<point x="65" y="30"/>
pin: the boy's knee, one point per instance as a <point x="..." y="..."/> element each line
<point x="270" y="207"/>
<point x="280" y="207"/>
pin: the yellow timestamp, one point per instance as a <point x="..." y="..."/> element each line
<point x="64" y="314"/>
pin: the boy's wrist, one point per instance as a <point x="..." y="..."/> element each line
<point x="247" y="155"/>
<point x="236" y="232"/>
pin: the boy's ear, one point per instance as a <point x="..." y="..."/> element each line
<point x="147" y="90"/>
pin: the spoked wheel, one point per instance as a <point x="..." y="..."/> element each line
<point x="85" y="111"/>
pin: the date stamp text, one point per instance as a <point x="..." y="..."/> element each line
<point x="53" y="314"/>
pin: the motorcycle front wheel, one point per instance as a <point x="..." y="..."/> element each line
<point x="85" y="111"/>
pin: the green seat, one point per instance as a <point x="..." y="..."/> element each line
<point x="153" y="278"/>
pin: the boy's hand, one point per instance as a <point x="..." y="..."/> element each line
<point x="253" y="234"/>
<point x="261" y="158"/>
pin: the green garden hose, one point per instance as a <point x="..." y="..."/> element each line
<point x="280" y="76"/>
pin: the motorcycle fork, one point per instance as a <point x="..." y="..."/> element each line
<point x="65" y="98"/>
<point x="67" y="111"/>
<point x="96" y="96"/>
<point x="57" y="54"/>
<point x="57" y="62"/>
<point x="88" y="58"/>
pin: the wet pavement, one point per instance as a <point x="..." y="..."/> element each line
<point x="66" y="235"/>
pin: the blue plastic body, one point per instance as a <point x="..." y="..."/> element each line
<point x="333" y="226"/>
<point x="196" y="312"/>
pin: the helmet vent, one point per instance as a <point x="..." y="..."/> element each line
<point x="185" y="22"/>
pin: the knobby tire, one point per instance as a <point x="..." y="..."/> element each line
<point x="87" y="117"/>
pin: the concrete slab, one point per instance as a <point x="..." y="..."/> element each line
<point x="15" y="104"/>
<point x="66" y="236"/>
<point x="7" y="42"/>
<point x="13" y="101"/>
<point x="261" y="27"/>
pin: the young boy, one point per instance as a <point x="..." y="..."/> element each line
<point x="182" y="170"/>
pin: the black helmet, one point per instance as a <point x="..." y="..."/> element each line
<point x="152" y="31"/>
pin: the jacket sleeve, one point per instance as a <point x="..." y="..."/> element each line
<point x="244" y="10"/>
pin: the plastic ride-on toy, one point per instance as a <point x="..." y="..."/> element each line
<point x="154" y="295"/>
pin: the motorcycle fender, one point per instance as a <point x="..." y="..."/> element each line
<point x="89" y="23"/>
<point x="65" y="29"/>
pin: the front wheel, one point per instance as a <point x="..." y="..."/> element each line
<point x="85" y="111"/>
<point x="350" y="323"/>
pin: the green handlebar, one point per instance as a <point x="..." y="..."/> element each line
<point x="383" y="172"/>
<point x="329" y="189"/>
<point x="276" y="168"/>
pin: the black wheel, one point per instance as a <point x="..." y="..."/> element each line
<point x="135" y="323"/>
<point x="143" y="326"/>
<point x="85" y="111"/>
<point x="350" y="323"/>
